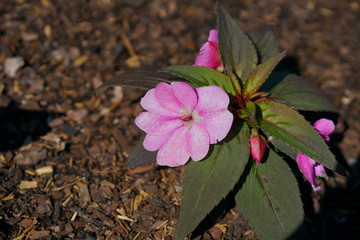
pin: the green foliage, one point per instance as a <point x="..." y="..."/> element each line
<point x="202" y="76"/>
<point x="259" y="75"/>
<point x="207" y="182"/>
<point x="237" y="51"/>
<point x="280" y="121"/>
<point x="284" y="147"/>
<point x="301" y="94"/>
<point x="139" y="79"/>
<point x="140" y="155"/>
<point x="269" y="199"/>
<point x="265" y="42"/>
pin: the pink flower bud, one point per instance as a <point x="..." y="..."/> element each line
<point x="257" y="145"/>
<point x="209" y="55"/>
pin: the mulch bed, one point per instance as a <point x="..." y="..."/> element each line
<point x="63" y="144"/>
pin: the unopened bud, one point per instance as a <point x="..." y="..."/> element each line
<point x="257" y="145"/>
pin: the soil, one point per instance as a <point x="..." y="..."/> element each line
<point x="63" y="144"/>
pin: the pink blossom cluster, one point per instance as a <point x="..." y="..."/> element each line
<point x="309" y="167"/>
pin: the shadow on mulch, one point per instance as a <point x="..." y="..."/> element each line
<point x="20" y="127"/>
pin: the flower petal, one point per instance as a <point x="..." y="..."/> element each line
<point x="197" y="142"/>
<point x="211" y="99"/>
<point x="149" y="103"/>
<point x="173" y="152"/>
<point x="154" y="142"/>
<point x="217" y="125"/>
<point x="213" y="36"/>
<point x="307" y="168"/>
<point x="208" y="56"/>
<point x="185" y="94"/>
<point x="166" y="97"/>
<point x="320" y="170"/>
<point x="325" y="127"/>
<point x="156" y="124"/>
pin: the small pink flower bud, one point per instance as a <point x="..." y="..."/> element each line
<point x="257" y="145"/>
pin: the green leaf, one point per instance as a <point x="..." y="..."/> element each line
<point x="284" y="123"/>
<point x="259" y="75"/>
<point x="236" y="49"/>
<point x="207" y="182"/>
<point x="301" y="94"/>
<point x="274" y="79"/>
<point x="139" y="79"/>
<point x="270" y="200"/>
<point x="251" y="110"/>
<point x="284" y="147"/>
<point x="265" y="42"/>
<point x="140" y="155"/>
<point x="202" y="76"/>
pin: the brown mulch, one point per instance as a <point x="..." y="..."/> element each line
<point x="63" y="145"/>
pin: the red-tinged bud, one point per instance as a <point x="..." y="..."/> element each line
<point x="257" y="145"/>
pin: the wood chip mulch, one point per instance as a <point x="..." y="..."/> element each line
<point x="63" y="144"/>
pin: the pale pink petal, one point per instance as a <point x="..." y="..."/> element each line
<point x="197" y="139"/>
<point x="173" y="152"/>
<point x="217" y="125"/>
<point x="154" y="142"/>
<point x="185" y="94"/>
<point x="320" y="170"/>
<point x="213" y="36"/>
<point x="307" y="168"/>
<point x="149" y="103"/>
<point x="166" y="97"/>
<point x="211" y="99"/>
<point x="325" y="127"/>
<point x="156" y="124"/>
<point x="257" y="146"/>
<point x="208" y="56"/>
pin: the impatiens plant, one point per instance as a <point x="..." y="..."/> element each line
<point x="231" y="118"/>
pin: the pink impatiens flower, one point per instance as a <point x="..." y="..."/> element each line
<point x="181" y="122"/>
<point x="209" y="55"/>
<point x="308" y="166"/>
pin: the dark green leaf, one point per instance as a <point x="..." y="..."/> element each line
<point x="270" y="200"/>
<point x="236" y="49"/>
<point x="202" y="76"/>
<point x="258" y="76"/>
<point x="139" y="79"/>
<point x="140" y="155"/>
<point x="265" y="42"/>
<point x="301" y="94"/>
<point x="207" y="182"/>
<point x="274" y="79"/>
<point x="251" y="110"/>
<point x="284" y="123"/>
<point x="284" y="147"/>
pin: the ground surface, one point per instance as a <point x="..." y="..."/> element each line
<point x="63" y="147"/>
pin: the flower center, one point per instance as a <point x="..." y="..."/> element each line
<point x="186" y="119"/>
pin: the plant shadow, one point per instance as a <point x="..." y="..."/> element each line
<point x="20" y="127"/>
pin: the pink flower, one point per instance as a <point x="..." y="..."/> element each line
<point x="209" y="55"/>
<point x="181" y="122"/>
<point x="257" y="146"/>
<point x="308" y="166"/>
